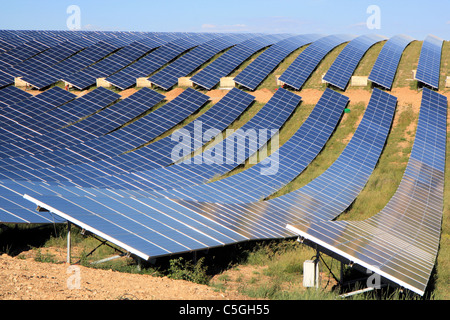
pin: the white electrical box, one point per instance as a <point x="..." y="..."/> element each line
<point x="311" y="273"/>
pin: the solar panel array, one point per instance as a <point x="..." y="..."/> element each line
<point x="150" y="63"/>
<point x="299" y="71"/>
<point x="156" y="154"/>
<point x="259" y="69"/>
<point x="342" y="69"/>
<point x="288" y="161"/>
<point x="94" y="126"/>
<point x="106" y="67"/>
<point x="76" y="51"/>
<point x="153" y="227"/>
<point x="11" y="95"/>
<point x="210" y="76"/>
<point x="108" y="164"/>
<point x="401" y="242"/>
<point x="428" y="69"/>
<point x="56" y="118"/>
<point x="25" y="110"/>
<point x="385" y="67"/>
<point x="192" y="60"/>
<point x="114" y="144"/>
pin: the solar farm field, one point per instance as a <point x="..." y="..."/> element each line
<point x="87" y="156"/>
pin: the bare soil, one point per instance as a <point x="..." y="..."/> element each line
<point x="26" y="279"/>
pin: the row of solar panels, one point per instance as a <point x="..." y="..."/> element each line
<point x="79" y="61"/>
<point x="231" y="206"/>
<point x="71" y="156"/>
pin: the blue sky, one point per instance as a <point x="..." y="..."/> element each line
<point x="414" y="18"/>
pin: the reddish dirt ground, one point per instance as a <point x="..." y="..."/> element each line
<point x="26" y="279"/>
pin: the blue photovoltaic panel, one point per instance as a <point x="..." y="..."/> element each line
<point x="192" y="60"/>
<point x="133" y="135"/>
<point x="345" y="64"/>
<point x="273" y="115"/>
<point x="160" y="153"/>
<point x="20" y="53"/>
<point x="428" y="69"/>
<point x="230" y="60"/>
<point x="198" y="169"/>
<point x="154" y="227"/>
<point x="401" y="242"/>
<point x="75" y="63"/>
<point x="44" y="60"/>
<point x="5" y="79"/>
<point x="154" y="60"/>
<point x="11" y="95"/>
<point x="284" y="164"/>
<point x="94" y="126"/>
<point x="259" y="69"/>
<point x="22" y="111"/>
<point x="107" y="66"/>
<point x="302" y="67"/>
<point x="57" y="118"/>
<point x="164" y="226"/>
<point x="385" y="67"/>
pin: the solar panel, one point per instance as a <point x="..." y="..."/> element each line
<point x="401" y="242"/>
<point x="385" y="67"/>
<point x="287" y="162"/>
<point x="56" y="118"/>
<point x="31" y="107"/>
<point x="20" y="53"/>
<point x="230" y="60"/>
<point x="119" y="141"/>
<point x="106" y="67"/>
<point x="430" y="61"/>
<point x="153" y="61"/>
<point x="45" y="59"/>
<point x="78" y="61"/>
<point x="11" y="95"/>
<point x="192" y="60"/>
<point x="272" y="115"/>
<point x="154" y="227"/>
<point x="5" y="79"/>
<point x="342" y="69"/>
<point x="302" y="67"/>
<point x="95" y="126"/>
<point x="159" y="153"/>
<point x="265" y="63"/>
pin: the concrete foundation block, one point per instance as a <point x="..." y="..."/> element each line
<point x="227" y="82"/>
<point x="18" y="82"/>
<point x="359" y="81"/>
<point x="101" y="82"/>
<point x="143" y="82"/>
<point x="185" y="82"/>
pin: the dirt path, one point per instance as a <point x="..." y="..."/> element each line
<point x="25" y="279"/>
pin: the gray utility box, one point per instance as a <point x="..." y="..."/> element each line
<point x="311" y="273"/>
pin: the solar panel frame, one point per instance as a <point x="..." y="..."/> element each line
<point x="400" y="242"/>
<point x="301" y="68"/>
<point x="385" y="67"/>
<point x="259" y="69"/>
<point x="342" y="69"/>
<point x="428" y="68"/>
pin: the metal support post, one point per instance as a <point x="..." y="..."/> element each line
<point x="68" y="241"/>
